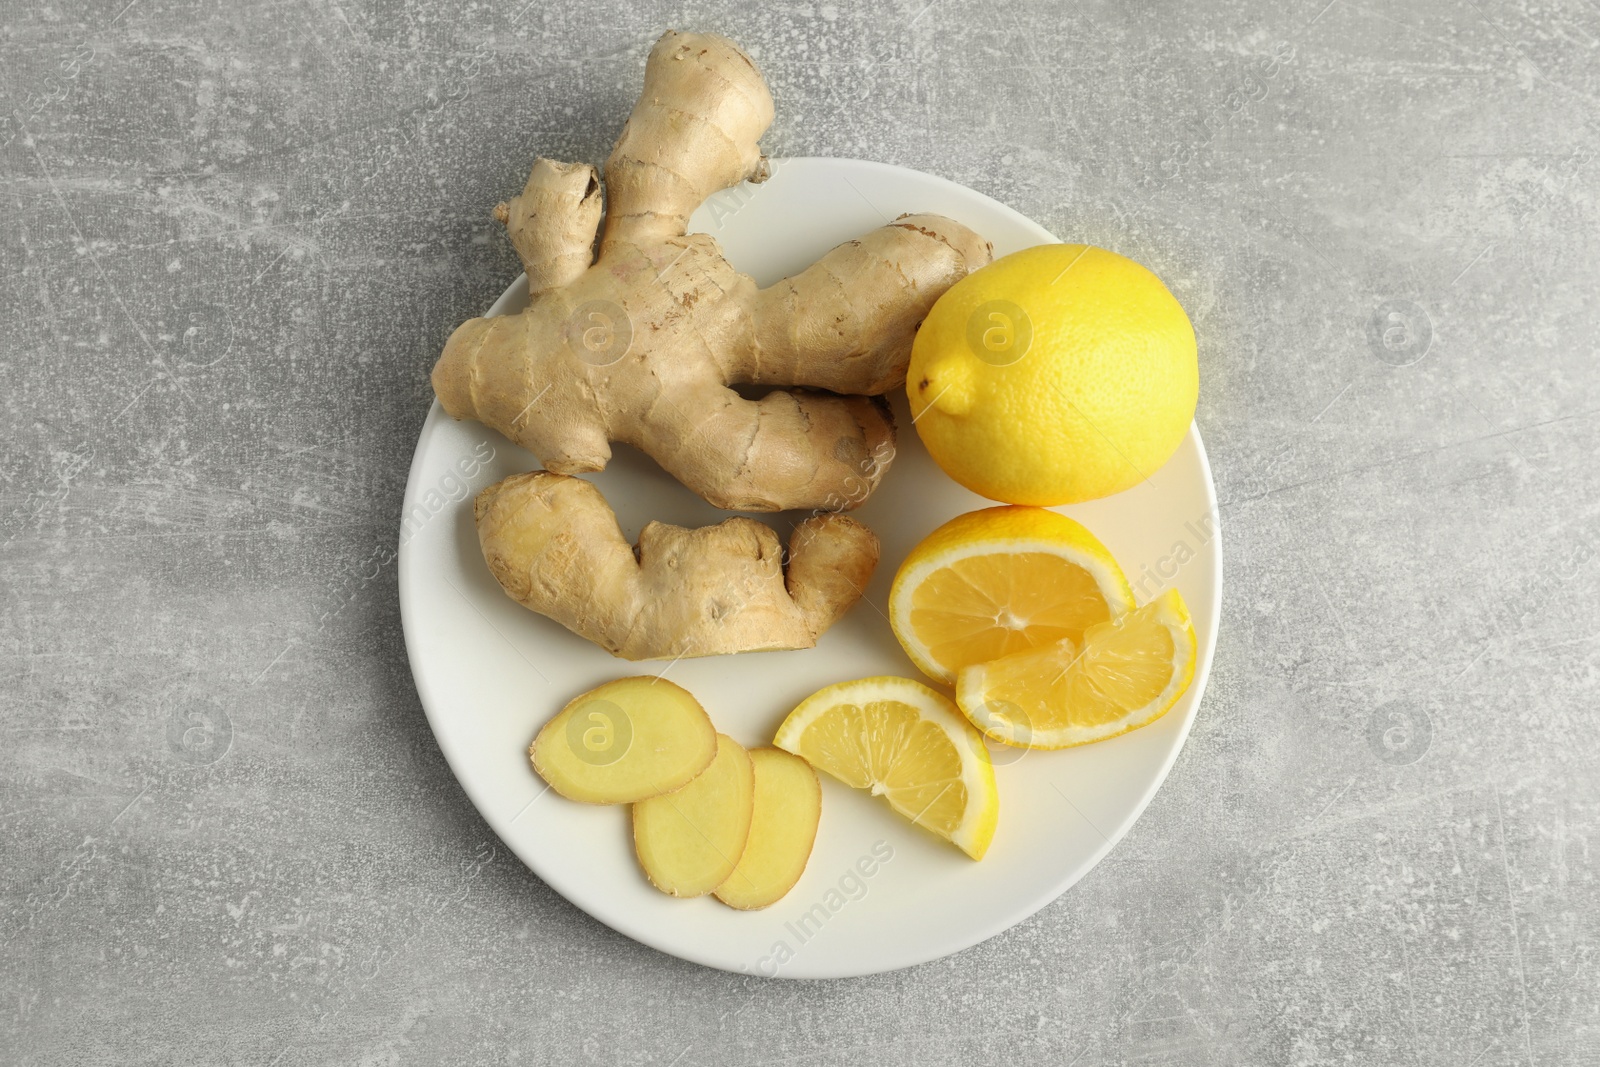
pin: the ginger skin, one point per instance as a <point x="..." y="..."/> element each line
<point x="553" y="544"/>
<point x="641" y="342"/>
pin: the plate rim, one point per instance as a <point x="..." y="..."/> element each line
<point x="979" y="933"/>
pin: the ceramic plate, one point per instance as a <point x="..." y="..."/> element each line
<point x="879" y="893"/>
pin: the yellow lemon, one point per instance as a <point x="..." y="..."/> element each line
<point x="906" y="743"/>
<point x="1056" y="374"/>
<point x="1001" y="580"/>
<point x="1124" y="674"/>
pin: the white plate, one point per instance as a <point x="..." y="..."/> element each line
<point x="490" y="672"/>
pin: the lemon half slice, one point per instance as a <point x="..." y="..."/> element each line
<point x="1126" y="674"/>
<point x="1002" y="580"/>
<point x="904" y="742"/>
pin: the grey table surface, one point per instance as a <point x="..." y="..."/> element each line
<point x="234" y="242"/>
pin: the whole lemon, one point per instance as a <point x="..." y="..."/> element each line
<point x="1056" y="374"/>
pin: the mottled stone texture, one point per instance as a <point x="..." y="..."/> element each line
<point x="234" y="238"/>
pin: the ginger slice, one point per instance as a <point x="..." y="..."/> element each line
<point x="689" y="841"/>
<point x="625" y="741"/>
<point x="788" y="806"/>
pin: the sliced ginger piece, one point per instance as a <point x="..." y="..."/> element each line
<point x="625" y="741"/>
<point x="689" y="841"/>
<point x="788" y="806"/>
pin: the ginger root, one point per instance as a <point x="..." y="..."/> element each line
<point x="553" y="544"/>
<point x="640" y="343"/>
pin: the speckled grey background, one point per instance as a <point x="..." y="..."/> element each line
<point x="233" y="242"/>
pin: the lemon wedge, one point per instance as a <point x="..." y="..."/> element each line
<point x="904" y="742"/>
<point x="1002" y="580"/>
<point x="1125" y="674"/>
